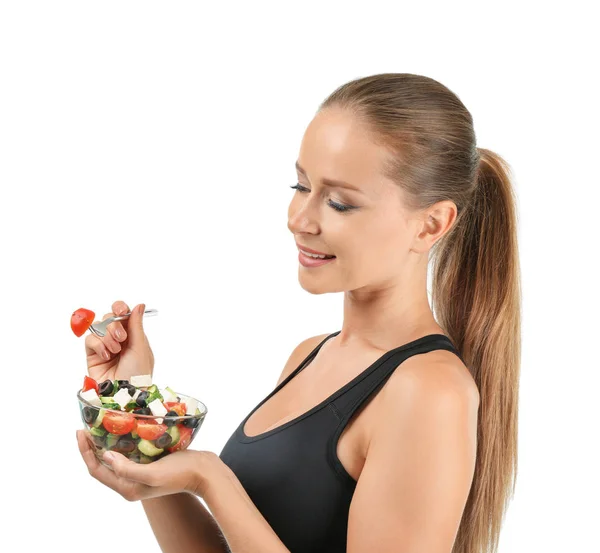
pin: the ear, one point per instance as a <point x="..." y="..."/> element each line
<point x="435" y="222"/>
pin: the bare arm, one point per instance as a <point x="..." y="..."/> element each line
<point x="180" y="523"/>
<point x="242" y="524"/>
<point x="411" y="493"/>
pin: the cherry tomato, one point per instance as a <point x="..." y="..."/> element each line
<point x="179" y="408"/>
<point x="89" y="384"/>
<point x="118" y="423"/>
<point x="81" y="320"/>
<point x="185" y="437"/>
<point x="150" y="431"/>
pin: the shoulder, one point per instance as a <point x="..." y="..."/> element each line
<point x="433" y="383"/>
<point x="299" y="353"/>
<point x="438" y="372"/>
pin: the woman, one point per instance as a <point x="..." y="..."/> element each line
<point x="397" y="433"/>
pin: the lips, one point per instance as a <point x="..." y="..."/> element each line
<point x="310" y="250"/>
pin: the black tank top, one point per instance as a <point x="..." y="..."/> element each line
<point x="292" y="472"/>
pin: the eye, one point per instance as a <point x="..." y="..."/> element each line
<point x="338" y="207"/>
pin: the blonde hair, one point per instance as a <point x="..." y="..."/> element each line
<point x="476" y="291"/>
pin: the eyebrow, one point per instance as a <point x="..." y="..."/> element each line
<point x="331" y="182"/>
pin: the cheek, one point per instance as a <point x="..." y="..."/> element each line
<point x="381" y="247"/>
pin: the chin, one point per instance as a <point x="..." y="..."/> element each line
<point x="317" y="288"/>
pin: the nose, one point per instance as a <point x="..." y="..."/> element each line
<point x="300" y="217"/>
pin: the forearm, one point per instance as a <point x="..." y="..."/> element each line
<point x="241" y="523"/>
<point x="181" y="523"/>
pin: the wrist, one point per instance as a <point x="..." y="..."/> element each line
<point x="208" y="472"/>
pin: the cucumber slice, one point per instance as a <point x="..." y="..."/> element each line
<point x="131" y="406"/>
<point x="198" y="412"/>
<point x="172" y="392"/>
<point x="149" y="449"/>
<point x="173" y="431"/>
<point x="106" y="399"/>
<point x="134" y="434"/>
<point x="99" y="418"/>
<point x="111" y="440"/>
<point x="97" y="431"/>
<point x="154" y="393"/>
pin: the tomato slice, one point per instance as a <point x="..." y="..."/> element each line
<point x="118" y="423"/>
<point x="150" y="431"/>
<point x="179" y="408"/>
<point x="81" y="320"/>
<point x="185" y="437"/>
<point x="89" y="384"/>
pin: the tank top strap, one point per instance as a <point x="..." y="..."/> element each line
<point x="303" y="364"/>
<point x="372" y="379"/>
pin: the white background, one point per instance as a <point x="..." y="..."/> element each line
<point x="146" y="154"/>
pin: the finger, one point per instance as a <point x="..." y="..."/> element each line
<point x="110" y="341"/>
<point x="117" y="331"/>
<point x="96" y="469"/>
<point x="118" y="328"/>
<point x="129" y="489"/>
<point x="93" y="344"/>
<point x="136" y="327"/>
<point x="121" y="308"/>
<point x="124" y="468"/>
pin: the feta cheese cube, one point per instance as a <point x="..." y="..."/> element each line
<point x="143" y="380"/>
<point x="190" y="406"/>
<point x="168" y="395"/>
<point x="122" y="397"/>
<point x="157" y="407"/>
<point x="92" y="397"/>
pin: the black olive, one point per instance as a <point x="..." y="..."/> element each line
<point x="90" y="414"/>
<point x="163" y="441"/>
<point x="171" y="418"/>
<point x="106" y="388"/>
<point x="98" y="441"/>
<point x="191" y="422"/>
<point x="141" y="399"/>
<point x="130" y="388"/>
<point x="125" y="445"/>
<point x="143" y="411"/>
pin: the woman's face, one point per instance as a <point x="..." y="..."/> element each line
<point x="372" y="239"/>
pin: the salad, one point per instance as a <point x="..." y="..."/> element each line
<point x="135" y="418"/>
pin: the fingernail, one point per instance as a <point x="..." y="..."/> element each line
<point x="141" y="309"/>
<point x="120" y="334"/>
<point x="105" y="355"/>
<point x="108" y="456"/>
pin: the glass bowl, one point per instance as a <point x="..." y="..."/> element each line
<point x="141" y="438"/>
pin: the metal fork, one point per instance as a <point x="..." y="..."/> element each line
<point x="99" y="329"/>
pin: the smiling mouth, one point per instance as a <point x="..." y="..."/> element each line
<point x="315" y="256"/>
